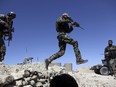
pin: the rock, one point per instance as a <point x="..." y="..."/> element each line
<point x="42" y="81"/>
<point x="34" y="77"/>
<point x="27" y="79"/>
<point x="28" y="86"/>
<point x="39" y="84"/>
<point x="19" y="83"/>
<point x="32" y="83"/>
<point x="6" y="79"/>
<point x="46" y="85"/>
<point x="27" y="73"/>
<point x="25" y="83"/>
<point x="85" y="69"/>
<point x="18" y="75"/>
<point x="1" y="82"/>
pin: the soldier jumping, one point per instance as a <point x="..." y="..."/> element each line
<point x="65" y="25"/>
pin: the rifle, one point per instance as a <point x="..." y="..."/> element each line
<point x="75" y="23"/>
<point x="8" y="34"/>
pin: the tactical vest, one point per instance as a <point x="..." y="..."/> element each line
<point x="63" y="26"/>
<point x="111" y="52"/>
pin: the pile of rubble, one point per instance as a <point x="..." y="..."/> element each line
<point x="35" y="75"/>
<point x="27" y="75"/>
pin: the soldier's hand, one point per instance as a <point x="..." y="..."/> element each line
<point x="76" y="24"/>
<point x="73" y="23"/>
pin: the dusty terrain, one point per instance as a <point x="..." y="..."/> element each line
<point x="35" y="75"/>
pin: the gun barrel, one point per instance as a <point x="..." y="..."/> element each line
<point x="82" y="28"/>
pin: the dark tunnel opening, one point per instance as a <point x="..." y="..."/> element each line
<point x="63" y="80"/>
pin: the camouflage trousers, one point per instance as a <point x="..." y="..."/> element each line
<point x="2" y="49"/>
<point x="63" y="40"/>
<point x="113" y="65"/>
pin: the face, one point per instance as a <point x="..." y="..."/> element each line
<point x="110" y="42"/>
<point x="10" y="17"/>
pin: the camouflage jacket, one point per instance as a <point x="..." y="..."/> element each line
<point x="110" y="52"/>
<point x="63" y="25"/>
<point x="3" y="20"/>
<point x="112" y="48"/>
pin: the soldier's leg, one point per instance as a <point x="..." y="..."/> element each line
<point x="113" y="65"/>
<point x="0" y="57"/>
<point x="2" y="50"/>
<point x="60" y="53"/>
<point x="71" y="41"/>
<point x="115" y="74"/>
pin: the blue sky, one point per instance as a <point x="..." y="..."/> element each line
<point x="35" y="29"/>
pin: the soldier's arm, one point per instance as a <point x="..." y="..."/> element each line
<point x="105" y="50"/>
<point x="73" y="22"/>
<point x="115" y="48"/>
<point x="2" y="22"/>
<point x="2" y="17"/>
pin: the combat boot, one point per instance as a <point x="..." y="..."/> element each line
<point x="47" y="62"/>
<point x="81" y="61"/>
<point x="115" y="76"/>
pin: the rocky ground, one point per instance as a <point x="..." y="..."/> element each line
<point x="35" y="75"/>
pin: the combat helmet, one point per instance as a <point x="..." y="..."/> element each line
<point x="65" y="14"/>
<point x="11" y="14"/>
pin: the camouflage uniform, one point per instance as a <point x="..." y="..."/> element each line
<point x="108" y="52"/>
<point x="63" y="27"/>
<point x="4" y="20"/>
<point x="2" y="44"/>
